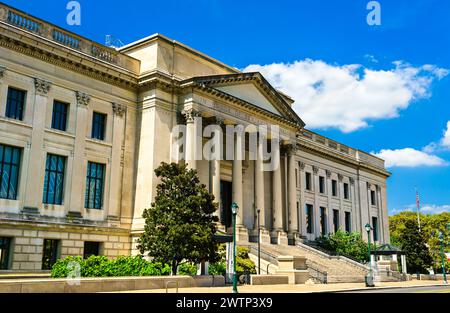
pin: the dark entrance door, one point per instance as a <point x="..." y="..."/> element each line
<point x="225" y="199"/>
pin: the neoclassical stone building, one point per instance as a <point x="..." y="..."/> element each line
<point x="83" y="126"/>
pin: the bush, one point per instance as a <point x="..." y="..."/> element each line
<point x="346" y="244"/>
<point x="101" y="266"/>
<point x="187" y="269"/>
<point x="243" y="263"/>
<point x="219" y="268"/>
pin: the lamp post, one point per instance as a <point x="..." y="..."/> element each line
<point x="234" y="211"/>
<point x="441" y="240"/>
<point x="258" y="211"/>
<point x="369" y="278"/>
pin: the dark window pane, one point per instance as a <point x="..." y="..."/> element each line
<point x="98" y="126"/>
<point x="9" y="171"/>
<point x="15" y="103"/>
<point x="309" y="219"/>
<point x="5" y="249"/>
<point x="308" y="181"/>
<point x="91" y="248"/>
<point x="375" y="228"/>
<point x="336" y="220"/>
<point x="348" y="227"/>
<point x="49" y="253"/>
<point x="94" y="185"/>
<point x="59" y="117"/>
<point x="54" y="179"/>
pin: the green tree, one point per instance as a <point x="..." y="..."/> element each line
<point x="414" y="244"/>
<point x="180" y="224"/>
<point x="345" y="243"/>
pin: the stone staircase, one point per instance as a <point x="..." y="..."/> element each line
<point x="337" y="269"/>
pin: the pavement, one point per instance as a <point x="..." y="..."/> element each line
<point x="397" y="287"/>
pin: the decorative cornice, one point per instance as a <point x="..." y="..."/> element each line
<point x="119" y="109"/>
<point x="42" y="86"/>
<point x="83" y="99"/>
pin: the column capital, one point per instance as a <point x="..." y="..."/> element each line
<point x="369" y="185"/>
<point x="219" y="120"/>
<point x="2" y="71"/>
<point x="352" y="180"/>
<point x="42" y="86"/>
<point x="83" y="99"/>
<point x="119" y="109"/>
<point x="340" y="177"/>
<point x="315" y="169"/>
<point x="328" y="172"/>
<point x="291" y="149"/>
<point x="301" y="165"/>
<point x="190" y="114"/>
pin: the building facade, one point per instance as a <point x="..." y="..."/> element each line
<point x="83" y="126"/>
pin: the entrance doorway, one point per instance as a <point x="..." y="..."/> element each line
<point x="225" y="200"/>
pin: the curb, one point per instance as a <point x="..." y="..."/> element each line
<point x="380" y="287"/>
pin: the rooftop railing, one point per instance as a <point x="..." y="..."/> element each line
<point x="56" y="34"/>
<point x="339" y="148"/>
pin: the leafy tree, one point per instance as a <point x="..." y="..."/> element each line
<point x="243" y="262"/>
<point x="180" y="224"/>
<point x="414" y="244"/>
<point x="347" y="244"/>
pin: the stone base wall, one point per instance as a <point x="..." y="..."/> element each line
<point x="28" y="243"/>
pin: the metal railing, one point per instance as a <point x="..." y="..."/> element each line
<point x="315" y="273"/>
<point x="332" y="253"/>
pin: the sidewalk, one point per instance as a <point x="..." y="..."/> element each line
<point x="294" y="288"/>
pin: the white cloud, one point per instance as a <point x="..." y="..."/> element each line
<point x="409" y="157"/>
<point x="424" y="209"/>
<point x="446" y="139"/>
<point x="443" y="144"/>
<point x="348" y="97"/>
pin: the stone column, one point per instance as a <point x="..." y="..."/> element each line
<point x="215" y="173"/>
<point x="192" y="143"/>
<point x="116" y="161"/>
<point x="36" y="165"/>
<point x="302" y="215"/>
<point x="79" y="170"/>
<point x="237" y="188"/>
<point x="292" y="196"/>
<point x="403" y="259"/>
<point x="278" y="235"/>
<point x="259" y="191"/>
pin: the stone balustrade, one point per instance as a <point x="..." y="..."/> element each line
<point x="58" y="35"/>
<point x="341" y="149"/>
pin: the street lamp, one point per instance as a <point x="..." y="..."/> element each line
<point x="441" y="240"/>
<point x="234" y="211"/>
<point x="258" y="211"/>
<point x="369" y="278"/>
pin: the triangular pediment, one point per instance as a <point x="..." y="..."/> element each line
<point x="252" y="88"/>
<point x="250" y="93"/>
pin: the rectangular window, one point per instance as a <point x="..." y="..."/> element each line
<point x="334" y="188"/>
<point x="296" y="178"/>
<point x="98" y="126"/>
<point x="373" y="200"/>
<point x="94" y="185"/>
<point x="308" y="181"/>
<point x="59" y="116"/>
<point x="336" y="220"/>
<point x="321" y="184"/>
<point x="5" y="250"/>
<point x="9" y="171"/>
<point x="346" y="191"/>
<point x="54" y="179"/>
<point x="15" y="103"/>
<point x="348" y="225"/>
<point x="309" y="219"/>
<point x="375" y="228"/>
<point x="91" y="248"/>
<point x="323" y="221"/>
<point x="50" y="253"/>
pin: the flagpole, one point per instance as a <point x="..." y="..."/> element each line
<point x="418" y="208"/>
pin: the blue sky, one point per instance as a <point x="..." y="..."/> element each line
<point x="346" y="85"/>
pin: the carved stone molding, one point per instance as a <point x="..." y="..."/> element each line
<point x="301" y="165"/>
<point x="83" y="99"/>
<point x="42" y="86"/>
<point x="291" y="149"/>
<point x="2" y="71"/>
<point x="340" y="177"/>
<point x="328" y="172"/>
<point x="352" y="180"/>
<point x="315" y="169"/>
<point x="219" y="120"/>
<point x="190" y="115"/>
<point x="119" y="109"/>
